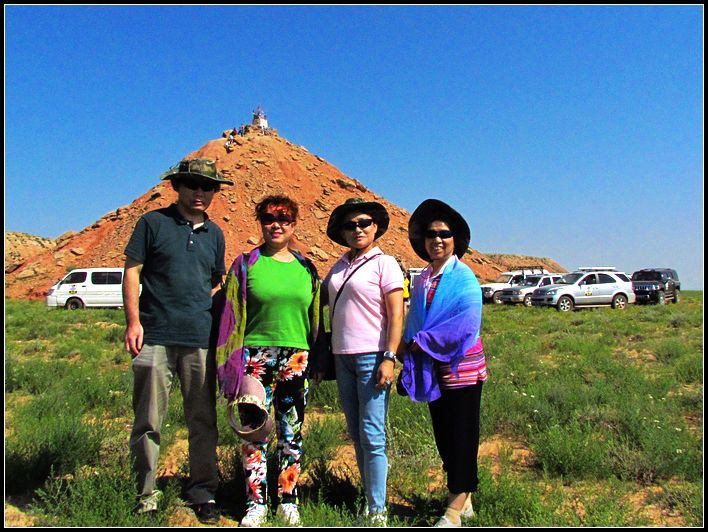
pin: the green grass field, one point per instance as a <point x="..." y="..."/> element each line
<point x="589" y="418"/>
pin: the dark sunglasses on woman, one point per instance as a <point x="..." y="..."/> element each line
<point x="442" y="234"/>
<point x="268" y="219"/>
<point x="351" y="226"/>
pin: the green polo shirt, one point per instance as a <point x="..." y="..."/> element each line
<point x="178" y="265"/>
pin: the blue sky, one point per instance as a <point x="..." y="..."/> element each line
<point x="569" y="132"/>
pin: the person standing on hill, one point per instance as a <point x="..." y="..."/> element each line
<point x="443" y="357"/>
<point x="268" y="325"/>
<point x="364" y="290"/>
<point x="177" y="254"/>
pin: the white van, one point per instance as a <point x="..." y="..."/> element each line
<point x="89" y="287"/>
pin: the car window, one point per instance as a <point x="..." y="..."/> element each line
<point x="517" y="279"/>
<point x="590" y="279"/>
<point x="557" y="279"/>
<point x="545" y="282"/>
<point x="98" y="277"/>
<point x="605" y="279"/>
<point x="646" y="276"/>
<point x="571" y="278"/>
<point x="114" y="277"/>
<point x="503" y="278"/>
<point x="75" y="277"/>
<point x="623" y="277"/>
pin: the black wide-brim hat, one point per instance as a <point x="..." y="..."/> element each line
<point x="377" y="211"/>
<point x="429" y="211"/>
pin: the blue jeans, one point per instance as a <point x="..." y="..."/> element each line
<point x="365" y="409"/>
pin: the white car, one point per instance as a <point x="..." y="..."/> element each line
<point x="88" y="287"/>
<point x="587" y="287"/>
<point x="522" y="292"/>
<point x="491" y="292"/>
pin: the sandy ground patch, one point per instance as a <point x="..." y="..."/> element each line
<point x="14" y="517"/>
<point x="497" y="448"/>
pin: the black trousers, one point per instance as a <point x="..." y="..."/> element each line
<point x="455" y="418"/>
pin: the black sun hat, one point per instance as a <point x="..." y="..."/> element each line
<point x="429" y="211"/>
<point x="375" y="210"/>
<point x="196" y="168"/>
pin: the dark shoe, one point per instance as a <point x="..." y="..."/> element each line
<point x="207" y="512"/>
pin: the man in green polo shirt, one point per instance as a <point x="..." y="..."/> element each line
<point x="177" y="254"/>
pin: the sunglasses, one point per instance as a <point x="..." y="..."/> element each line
<point x="206" y="186"/>
<point x="351" y="226"/>
<point x="282" y="219"/>
<point x="445" y="233"/>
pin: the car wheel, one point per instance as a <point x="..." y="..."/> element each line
<point x="565" y="304"/>
<point x="497" y="298"/>
<point x="677" y="297"/>
<point x="527" y="300"/>
<point x="74" y="304"/>
<point x="660" y="298"/>
<point x="619" y="301"/>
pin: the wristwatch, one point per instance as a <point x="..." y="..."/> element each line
<point x="390" y="355"/>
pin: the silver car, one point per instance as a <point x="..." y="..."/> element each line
<point x="522" y="292"/>
<point x="587" y="287"/>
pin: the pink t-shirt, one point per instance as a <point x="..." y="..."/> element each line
<point x="359" y="324"/>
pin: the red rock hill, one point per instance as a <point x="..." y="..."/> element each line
<point x="259" y="165"/>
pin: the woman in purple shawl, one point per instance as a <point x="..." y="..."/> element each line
<point x="443" y="357"/>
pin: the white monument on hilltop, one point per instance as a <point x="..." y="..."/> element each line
<point x="260" y="120"/>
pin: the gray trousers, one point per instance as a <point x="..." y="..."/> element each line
<point x="153" y="370"/>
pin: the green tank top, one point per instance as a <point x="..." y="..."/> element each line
<point x="279" y="297"/>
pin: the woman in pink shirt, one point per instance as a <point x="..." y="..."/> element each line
<point x="365" y="293"/>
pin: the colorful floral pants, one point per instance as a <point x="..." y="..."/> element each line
<point x="281" y="370"/>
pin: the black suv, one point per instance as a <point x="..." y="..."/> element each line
<point x="658" y="285"/>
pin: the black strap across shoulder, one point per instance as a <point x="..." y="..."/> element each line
<point x="339" y="292"/>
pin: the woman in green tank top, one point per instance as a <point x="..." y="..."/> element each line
<point x="272" y="310"/>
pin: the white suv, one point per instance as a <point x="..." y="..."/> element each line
<point x="522" y="292"/>
<point x="491" y="292"/>
<point x="587" y="287"/>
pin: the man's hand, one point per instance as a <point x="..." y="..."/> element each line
<point x="134" y="339"/>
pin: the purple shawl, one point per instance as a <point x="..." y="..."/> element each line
<point x="445" y="332"/>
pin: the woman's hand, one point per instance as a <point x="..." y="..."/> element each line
<point x="384" y="375"/>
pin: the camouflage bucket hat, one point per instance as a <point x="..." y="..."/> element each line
<point x="199" y="168"/>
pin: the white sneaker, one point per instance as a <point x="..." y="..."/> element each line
<point x="289" y="513"/>
<point x="444" y="522"/>
<point x="467" y="510"/>
<point x="255" y="516"/>
<point x="378" y="519"/>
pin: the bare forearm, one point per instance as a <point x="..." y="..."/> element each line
<point x="131" y="296"/>
<point x="394" y="309"/>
